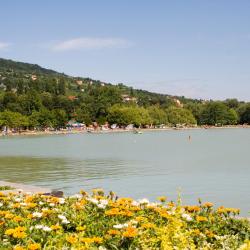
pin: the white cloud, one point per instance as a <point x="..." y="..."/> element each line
<point x="4" y="46"/>
<point x="91" y="43"/>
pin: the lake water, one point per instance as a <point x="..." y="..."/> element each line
<point x="214" y="165"/>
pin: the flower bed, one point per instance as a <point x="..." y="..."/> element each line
<point x="100" y="221"/>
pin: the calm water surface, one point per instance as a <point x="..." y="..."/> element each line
<point x="214" y="165"/>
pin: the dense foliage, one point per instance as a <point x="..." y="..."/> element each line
<point x="100" y="221"/>
<point x="34" y="97"/>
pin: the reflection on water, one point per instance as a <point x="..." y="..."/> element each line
<point x="213" y="166"/>
<point x="60" y="172"/>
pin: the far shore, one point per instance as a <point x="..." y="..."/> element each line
<point x="116" y="130"/>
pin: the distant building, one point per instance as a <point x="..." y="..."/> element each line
<point x="79" y="82"/>
<point x="33" y="77"/>
<point x="72" y="97"/>
<point x="178" y="103"/>
<point x="127" y="98"/>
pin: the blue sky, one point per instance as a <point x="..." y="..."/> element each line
<point x="194" y="48"/>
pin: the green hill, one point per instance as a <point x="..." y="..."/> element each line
<point x="44" y="97"/>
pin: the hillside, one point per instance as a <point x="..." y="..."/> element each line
<point x="44" y="97"/>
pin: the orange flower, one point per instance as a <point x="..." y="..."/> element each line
<point x="130" y="232"/>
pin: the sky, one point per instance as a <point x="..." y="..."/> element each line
<point x="192" y="48"/>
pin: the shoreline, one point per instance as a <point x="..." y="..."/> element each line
<point x="120" y="130"/>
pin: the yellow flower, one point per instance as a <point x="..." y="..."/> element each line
<point x="9" y="216"/>
<point x="1" y="223"/>
<point x="19" y="234"/>
<point x="87" y="240"/>
<point x="72" y="239"/>
<point x="55" y="227"/>
<point x="97" y="240"/>
<point x="210" y="234"/>
<point x="31" y="205"/>
<point x="34" y="246"/>
<point x="196" y="232"/>
<point x="208" y="204"/>
<point x="201" y="218"/>
<point x="192" y="209"/>
<point x="16" y="205"/>
<point x="17" y="219"/>
<point x="130" y="232"/>
<point x="113" y="232"/>
<point x="18" y="248"/>
<point x="148" y="225"/>
<point x="162" y="198"/>
<point x="113" y="211"/>
<point x="80" y="228"/>
<point x="9" y="231"/>
<point x="29" y="216"/>
<point x="28" y="199"/>
<point x="98" y="191"/>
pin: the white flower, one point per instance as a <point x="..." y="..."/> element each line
<point x="153" y="204"/>
<point x="187" y="217"/>
<point x="38" y="226"/>
<point x="41" y="203"/>
<point x="104" y="202"/>
<point x="46" y="229"/>
<point x="93" y="200"/>
<point x="62" y="217"/>
<point x="1" y="204"/>
<point x="101" y="206"/>
<point x="102" y="248"/>
<point x="52" y="204"/>
<point x="119" y="226"/>
<point x="23" y="204"/>
<point x="61" y="200"/>
<point x="78" y="196"/>
<point x="135" y="203"/>
<point x="65" y="221"/>
<point x="18" y="200"/>
<point x="37" y="214"/>
<point x="143" y="201"/>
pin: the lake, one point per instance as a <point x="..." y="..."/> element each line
<point x="214" y="165"/>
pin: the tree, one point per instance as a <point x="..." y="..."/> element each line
<point x="157" y="115"/>
<point x="180" y="116"/>
<point x="245" y="117"/>
<point x="217" y="113"/>
<point x="59" y="118"/>
<point x="13" y="120"/>
<point x="124" y="115"/>
<point x="43" y="118"/>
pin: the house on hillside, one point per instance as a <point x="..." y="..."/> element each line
<point x="127" y="98"/>
<point x="178" y="103"/>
